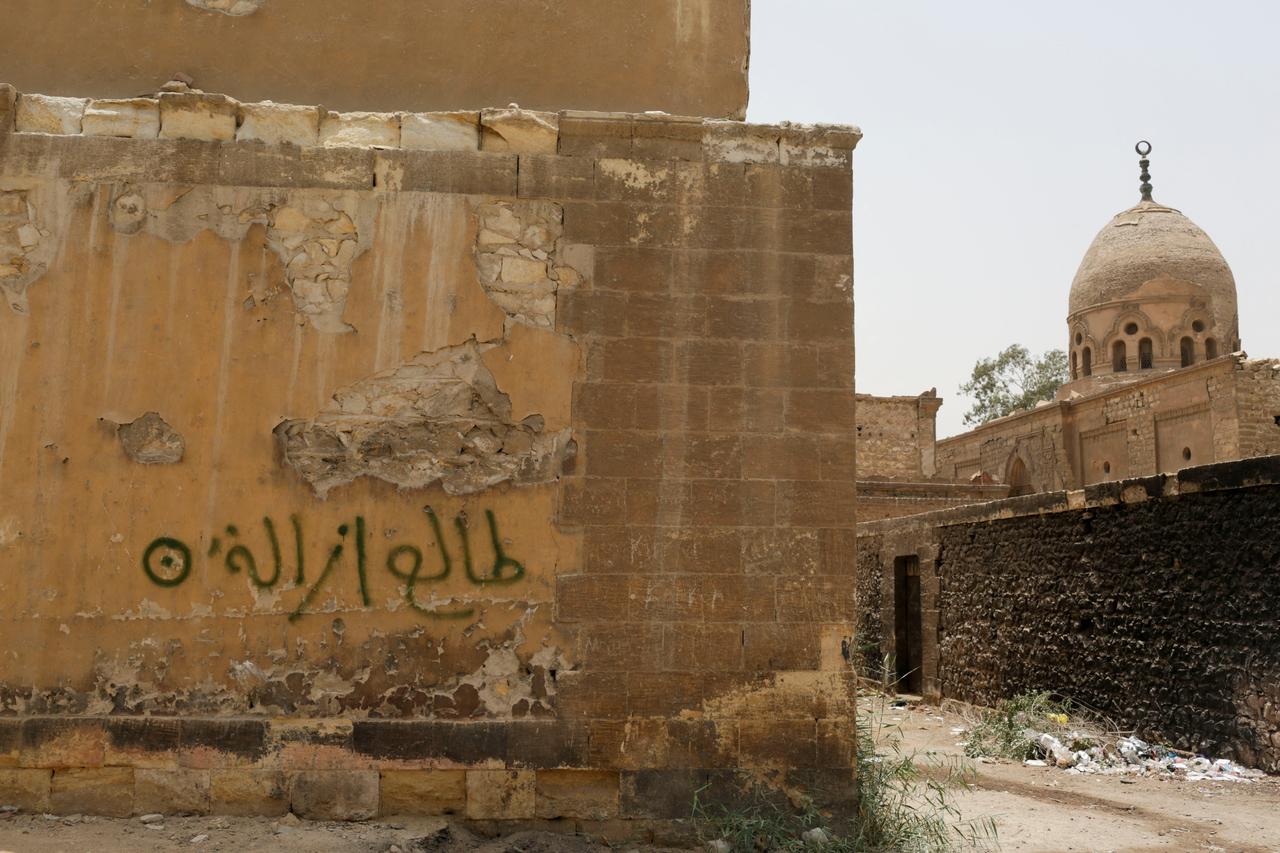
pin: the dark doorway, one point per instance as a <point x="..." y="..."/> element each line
<point x="907" y="623"/>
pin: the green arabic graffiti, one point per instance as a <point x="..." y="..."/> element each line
<point x="167" y="562"/>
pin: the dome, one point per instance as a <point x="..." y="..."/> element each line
<point x="1152" y="241"/>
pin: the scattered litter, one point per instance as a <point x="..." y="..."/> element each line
<point x="151" y="818"/>
<point x="1035" y="762"/>
<point x="199" y="839"/>
<point x="1132" y="756"/>
<point x="816" y="838"/>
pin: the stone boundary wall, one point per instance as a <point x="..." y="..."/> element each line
<point x="649" y="319"/>
<point x="882" y="499"/>
<point x="1154" y="600"/>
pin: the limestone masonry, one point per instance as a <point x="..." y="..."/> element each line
<point x="494" y="462"/>
<point x="686" y="57"/>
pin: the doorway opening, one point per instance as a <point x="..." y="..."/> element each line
<point x="907" y="622"/>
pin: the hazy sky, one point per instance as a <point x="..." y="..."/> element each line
<point x="999" y="140"/>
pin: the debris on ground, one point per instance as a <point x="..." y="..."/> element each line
<point x="1041" y="732"/>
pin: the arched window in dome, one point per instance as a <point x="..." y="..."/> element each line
<point x="1210" y="348"/>
<point x="1087" y="369"/>
<point x="1188" y="347"/>
<point x="1144" y="354"/>
<point x="1074" y="359"/>
<point x="1119" y="357"/>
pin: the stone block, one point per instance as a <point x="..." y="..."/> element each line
<point x="554" y="176"/>
<point x="61" y="742"/>
<point x="334" y="794"/>
<point x="500" y="794"/>
<point x="520" y="131"/>
<point x="279" y="124"/>
<point x="735" y="142"/>
<point x="8" y="105"/>
<point x="576" y="794"/>
<point x="360" y="130"/>
<point x="106" y="791"/>
<point x="818" y="145"/>
<point x="136" y="118"/>
<point x="171" y="791"/>
<point x="195" y="115"/>
<point x="47" y="114"/>
<point x="666" y="137"/>
<point x="591" y="134"/>
<point x="25" y="788"/>
<point x="423" y="792"/>
<point x="444" y="131"/>
<point x="468" y="173"/>
<point x="248" y="793"/>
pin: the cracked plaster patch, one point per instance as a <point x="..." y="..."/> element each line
<point x="151" y="441"/>
<point x="437" y="418"/>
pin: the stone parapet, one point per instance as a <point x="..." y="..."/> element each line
<point x="206" y="117"/>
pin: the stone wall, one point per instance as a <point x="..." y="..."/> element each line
<point x="686" y="57"/>
<point x="497" y="463"/>
<point x="1153" y="600"/>
<point x="1259" y="408"/>
<point x="881" y="499"/>
<point x="896" y="436"/>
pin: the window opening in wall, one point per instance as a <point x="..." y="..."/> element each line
<point x="1074" y="359"/>
<point x="1197" y="326"/>
<point x="1277" y="419"/>
<point x="1131" y="328"/>
<point x="1106" y="467"/>
<point x="1210" y="348"/>
<point x="1144" y="354"/>
<point x="1186" y="454"/>
<point x="1188" y="347"/>
<point x="1119" y="362"/>
<point x="1079" y="338"/>
<point x="1088" y="362"/>
<point x="908" y="623"/>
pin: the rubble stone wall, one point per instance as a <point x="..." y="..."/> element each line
<point x="685" y="57"/>
<point x="1153" y="600"/>
<point x="497" y="463"/>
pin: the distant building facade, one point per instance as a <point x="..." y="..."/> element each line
<point x="1158" y="381"/>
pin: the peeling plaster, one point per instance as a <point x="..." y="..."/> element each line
<point x="32" y="222"/>
<point x="437" y="418"/>
<point x="234" y="8"/>
<point x="317" y="235"/>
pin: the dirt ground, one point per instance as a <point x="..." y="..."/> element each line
<point x="1045" y="809"/>
<point x="1038" y="809"/>
<point x="38" y="834"/>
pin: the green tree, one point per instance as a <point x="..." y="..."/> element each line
<point x="1011" y="382"/>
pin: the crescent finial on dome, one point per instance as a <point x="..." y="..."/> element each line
<point x="1144" y="148"/>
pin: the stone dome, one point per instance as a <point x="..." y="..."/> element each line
<point x="1151" y="241"/>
